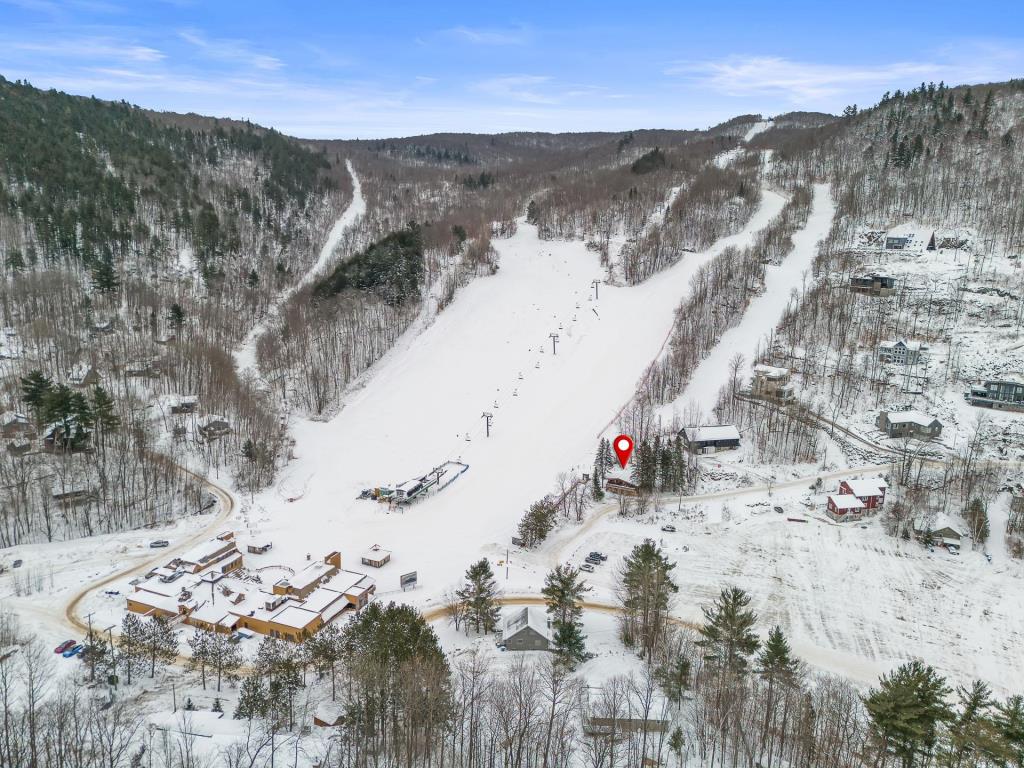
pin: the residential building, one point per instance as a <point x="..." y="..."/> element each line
<point x="1006" y="393"/>
<point x="771" y="383"/>
<point x="900" y="352"/>
<point x="83" y="375"/>
<point x="214" y="427"/>
<point x="527" y="629"/>
<point x="710" y="439"/>
<point x="941" y="530"/>
<point x="14" y="424"/>
<point x="873" y="284"/>
<point x="909" y="424"/>
<point x="896" y="243"/>
<point x="620" y="482"/>
<point x="870" y="492"/>
<point x="844" y="506"/>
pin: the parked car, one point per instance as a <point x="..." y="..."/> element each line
<point x="159" y="544"/>
<point x="16" y="564"/>
<point x="988" y="557"/>
<point x="668" y="528"/>
<point x="599" y="555"/>
<point x="73" y="651"/>
<point x="594" y="560"/>
<point x="953" y="549"/>
<point x="111" y="592"/>
<point x="64" y="646"/>
<point x="234" y="637"/>
<point x="779" y="510"/>
<point x="587" y="567"/>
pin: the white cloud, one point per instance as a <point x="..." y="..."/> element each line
<point x="804" y="82"/>
<point x="103" y="49"/>
<point x="229" y="50"/>
<point x="524" y="88"/>
<point x="516" y="36"/>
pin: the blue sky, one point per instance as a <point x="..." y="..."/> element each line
<point x="349" y="69"/>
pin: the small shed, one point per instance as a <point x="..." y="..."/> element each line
<point x="376" y="557"/>
<point x="259" y="549"/>
<point x="527" y="630"/>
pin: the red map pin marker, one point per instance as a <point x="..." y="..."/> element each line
<point x="623" y="445"/>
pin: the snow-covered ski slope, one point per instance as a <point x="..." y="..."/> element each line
<point x="245" y="355"/>
<point x="762" y="315"/>
<point x="418" y="403"/>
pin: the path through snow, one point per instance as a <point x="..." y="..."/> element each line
<point x="245" y="354"/>
<point x="762" y="315"/>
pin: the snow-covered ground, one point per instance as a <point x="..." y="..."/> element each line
<point x="245" y="354"/>
<point x="762" y="315"/>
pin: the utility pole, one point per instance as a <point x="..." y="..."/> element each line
<point x="554" y="341"/>
<point x="488" y="416"/>
<point x="595" y="285"/>
<point x="92" y="654"/>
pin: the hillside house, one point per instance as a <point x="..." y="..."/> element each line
<point x="71" y="492"/>
<point x="844" y="506"/>
<point x="83" y="375"/>
<point x="873" y="284"/>
<point x="771" y="383"/>
<point x="14" y="425"/>
<point x="1006" y="393"/>
<point x="527" y="629"/>
<point x="620" y="482"/>
<point x="870" y="492"/>
<point x="896" y="243"/>
<point x="710" y="439"/>
<point x="942" y="530"/>
<point x="142" y="368"/>
<point x="214" y="427"/>
<point x="913" y="424"/>
<point x="183" y="404"/>
<point x="900" y="352"/>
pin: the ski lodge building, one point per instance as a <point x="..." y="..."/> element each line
<point x="526" y="630"/>
<point x="208" y="588"/>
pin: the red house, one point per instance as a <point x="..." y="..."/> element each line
<point x="844" y="506"/>
<point x="870" y="492"/>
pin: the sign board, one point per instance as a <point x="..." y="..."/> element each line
<point x="407" y="580"/>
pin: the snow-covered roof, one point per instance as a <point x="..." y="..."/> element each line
<point x="527" y="617"/>
<point x="845" y="501"/>
<point x="208" y="551"/>
<point x="940" y="522"/>
<point x="910" y="417"/>
<point x="13" y="417"/>
<point x="913" y="346"/>
<point x="719" y="432"/>
<point x="868" y="487"/>
<point x="294" y="616"/>
<point x="211" y="613"/>
<point x="770" y="371"/>
<point x="376" y="553"/>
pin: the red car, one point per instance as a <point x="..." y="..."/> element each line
<point x="64" y="646"/>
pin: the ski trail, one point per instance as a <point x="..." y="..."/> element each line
<point x="245" y="354"/>
<point x="763" y="313"/>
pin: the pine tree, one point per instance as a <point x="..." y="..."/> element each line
<point x="596" y="491"/>
<point x="34" y="389"/>
<point x="777" y="666"/>
<point x="1009" y="721"/>
<point x="104" y="276"/>
<point x="974" y="736"/>
<point x="727" y="635"/>
<point x="326" y="652"/>
<point x="199" y="644"/>
<point x="906" y="710"/>
<point x="161" y="646"/>
<point x="224" y="658"/>
<point x="176" y="316"/>
<point x="646" y="588"/>
<point x="563" y="593"/>
<point x="217" y="706"/>
<point x="479" y="595"/>
<point x="132" y="645"/>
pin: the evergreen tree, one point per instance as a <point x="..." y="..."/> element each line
<point x="34" y="389"/>
<point x="104" y="276"/>
<point x="176" y="316"/>
<point x="596" y="491"/>
<point x="252" y="699"/>
<point x="906" y="710"/>
<point x="537" y="523"/>
<point x="974" y="736"/>
<point x="132" y="645"/>
<point x="199" y="644"/>
<point x="326" y="652"/>
<point x="1009" y="722"/>
<point x="727" y="636"/>
<point x="563" y="593"/>
<point x="646" y="588"/>
<point x="161" y="646"/>
<point x="479" y="596"/>
<point x="532" y="212"/>
<point x="217" y="706"/>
